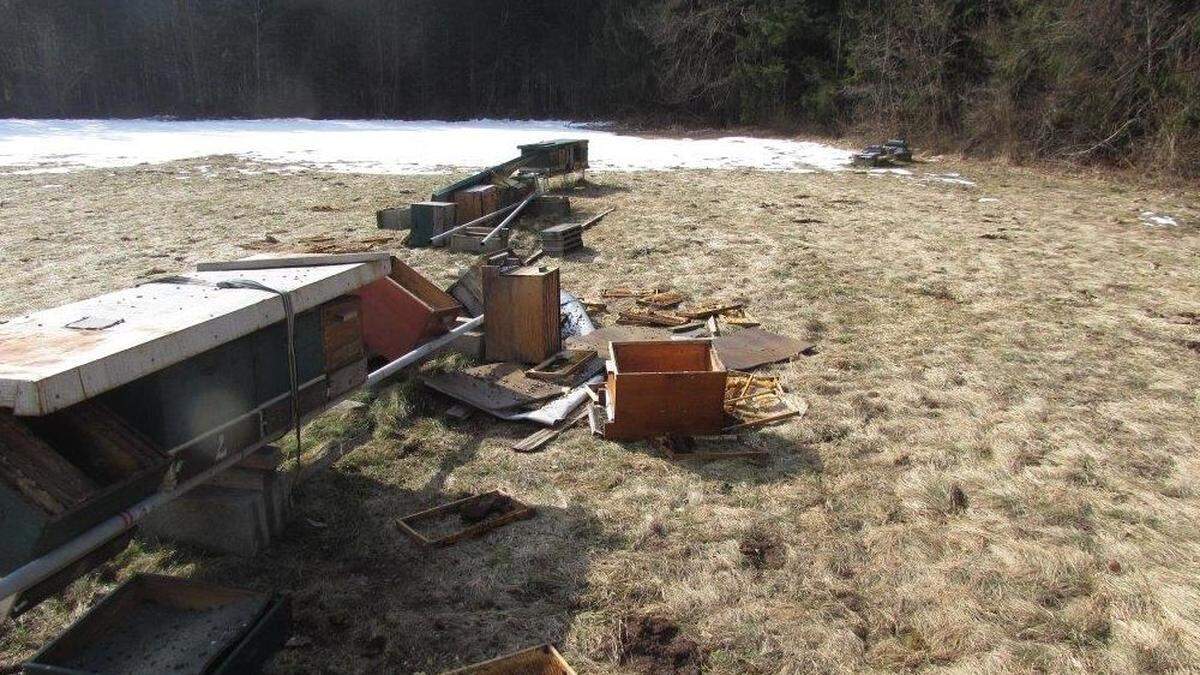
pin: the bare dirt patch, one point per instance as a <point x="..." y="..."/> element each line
<point x="653" y="644"/>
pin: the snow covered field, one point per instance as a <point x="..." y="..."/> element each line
<point x="42" y="146"/>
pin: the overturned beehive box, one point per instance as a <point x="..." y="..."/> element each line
<point x="663" y="387"/>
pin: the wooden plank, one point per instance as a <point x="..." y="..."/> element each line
<point x="523" y="314"/>
<point x="45" y="366"/>
<point x="534" y="442"/>
<point x="32" y="468"/>
<point x="494" y="386"/>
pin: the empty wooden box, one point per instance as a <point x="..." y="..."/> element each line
<point x="664" y="387"/>
<point x="522" y="310"/>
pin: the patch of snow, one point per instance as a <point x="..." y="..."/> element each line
<point x="955" y="178"/>
<point x="381" y="146"/>
<point x="988" y="200"/>
<point x="1151" y="218"/>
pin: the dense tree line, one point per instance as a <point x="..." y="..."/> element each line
<point x="1090" y="80"/>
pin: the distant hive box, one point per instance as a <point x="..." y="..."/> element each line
<point x="428" y="219"/>
<point x="158" y="624"/>
<point x="523" y="314"/>
<point x="561" y="156"/>
<point x="474" y="202"/>
<point x="664" y="387"/>
<point x="562" y="239"/>
<point x="393" y="218"/>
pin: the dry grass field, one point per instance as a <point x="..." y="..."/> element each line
<point x="997" y="470"/>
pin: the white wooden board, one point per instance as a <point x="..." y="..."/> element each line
<point x="46" y="366"/>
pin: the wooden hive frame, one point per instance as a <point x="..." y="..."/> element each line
<point x="407" y="524"/>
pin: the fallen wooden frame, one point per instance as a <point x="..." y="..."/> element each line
<point x="563" y="368"/>
<point x="406" y="524"/>
<point x="543" y="659"/>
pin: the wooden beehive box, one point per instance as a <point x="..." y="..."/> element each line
<point x="473" y="202"/>
<point x="664" y="387"/>
<point x="427" y="219"/>
<point x="523" y="314"/>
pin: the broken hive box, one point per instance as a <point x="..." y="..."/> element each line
<point x="663" y="387"/>
<point x="158" y="624"/>
<point x="61" y="475"/>
<point x="402" y="310"/>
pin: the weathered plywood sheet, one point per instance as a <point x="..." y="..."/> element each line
<point x="753" y="347"/>
<point x="46" y="366"/>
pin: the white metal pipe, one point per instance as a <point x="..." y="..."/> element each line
<point x="437" y="238"/>
<point x="421" y="352"/>
<point x="511" y="216"/>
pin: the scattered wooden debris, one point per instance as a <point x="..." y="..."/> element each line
<point x="663" y="300"/>
<point x="704" y="310"/>
<point x="535" y="441"/>
<point x="756" y="400"/>
<point x="480" y="514"/>
<point x="649" y="317"/>
<point x="543" y="660"/>
<point x="631" y="292"/>
<point x="741" y="322"/>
